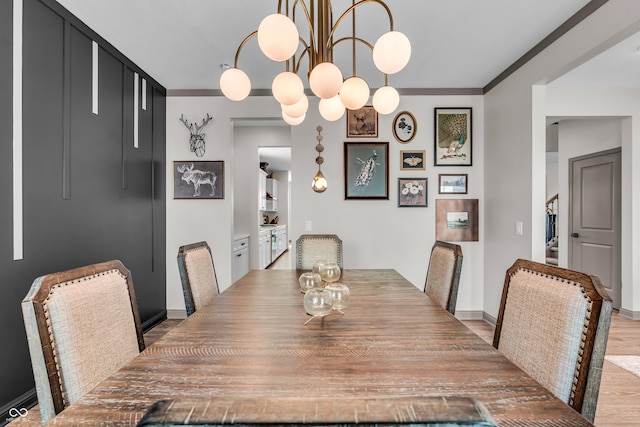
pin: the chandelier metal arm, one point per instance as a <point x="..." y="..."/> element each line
<point x="246" y="39"/>
<point x="354" y="7"/>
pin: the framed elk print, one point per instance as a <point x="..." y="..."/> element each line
<point x="452" y="141"/>
<point x="404" y="127"/>
<point x="412" y="192"/>
<point x="366" y="170"/>
<point x="362" y="123"/>
<point x="198" y="180"/>
<point x="412" y="160"/>
<point x="457" y="220"/>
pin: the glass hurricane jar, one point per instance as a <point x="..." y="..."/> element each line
<point x="318" y="302"/>
<point x="317" y="265"/>
<point x="340" y="294"/>
<point x="330" y="272"/>
<point x="309" y="280"/>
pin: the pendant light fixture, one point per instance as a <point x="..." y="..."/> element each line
<point x="319" y="181"/>
<point x="280" y="41"/>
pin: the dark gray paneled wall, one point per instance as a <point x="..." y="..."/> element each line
<point x="89" y="195"/>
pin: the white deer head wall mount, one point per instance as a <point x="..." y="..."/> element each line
<point x="196" y="141"/>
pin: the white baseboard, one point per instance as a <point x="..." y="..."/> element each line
<point x="633" y="315"/>
<point x="469" y="315"/>
<point x="176" y="314"/>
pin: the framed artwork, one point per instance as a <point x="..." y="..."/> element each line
<point x="452" y="183"/>
<point x="404" y="127"/>
<point x="452" y="141"/>
<point x="412" y="192"/>
<point x="366" y="170"/>
<point x="412" y="160"/>
<point x="457" y="220"/>
<point x="362" y="123"/>
<point x="198" y="180"/>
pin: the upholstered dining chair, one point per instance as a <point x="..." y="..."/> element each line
<point x="198" y="275"/>
<point x="82" y="325"/>
<point x="443" y="274"/>
<point x="553" y="323"/>
<point x="312" y="247"/>
<point x="436" y="411"/>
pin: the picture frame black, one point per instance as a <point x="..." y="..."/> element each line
<point x="413" y="192"/>
<point x="452" y="143"/>
<point x="198" y="179"/>
<point x="405" y="127"/>
<point x="452" y="183"/>
<point x="366" y="170"/>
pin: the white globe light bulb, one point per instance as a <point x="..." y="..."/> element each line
<point x="278" y="37"/>
<point x="354" y="93"/>
<point x="319" y="183"/>
<point x="287" y="88"/>
<point x="325" y="80"/>
<point x="331" y="109"/>
<point x="386" y="100"/>
<point x="391" y="52"/>
<point x="297" y="109"/>
<point x="235" y="84"/>
<point x="293" y="121"/>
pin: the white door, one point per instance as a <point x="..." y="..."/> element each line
<point x="595" y="219"/>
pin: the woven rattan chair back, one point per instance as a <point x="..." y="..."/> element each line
<point x="313" y="247"/>
<point x="553" y="323"/>
<point x="443" y="274"/>
<point x="198" y="275"/>
<point x="82" y="325"/>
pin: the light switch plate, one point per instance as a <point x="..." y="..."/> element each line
<point x="519" y="228"/>
<point x="307" y="226"/>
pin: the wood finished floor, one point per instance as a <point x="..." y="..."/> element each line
<point x="619" y="401"/>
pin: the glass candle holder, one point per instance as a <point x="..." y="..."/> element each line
<point x="308" y="281"/>
<point x="340" y="294"/>
<point x="330" y="272"/>
<point x="317" y="265"/>
<point x="318" y="302"/>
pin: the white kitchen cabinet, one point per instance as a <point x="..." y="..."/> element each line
<point x="264" y="248"/>
<point x="240" y="257"/>
<point x="281" y="239"/>
<point x="262" y="190"/>
<point x="272" y="195"/>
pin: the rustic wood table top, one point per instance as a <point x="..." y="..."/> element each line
<point x="251" y="343"/>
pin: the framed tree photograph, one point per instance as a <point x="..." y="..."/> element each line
<point x="198" y="180"/>
<point x="457" y="220"/>
<point x="452" y="183"/>
<point x="404" y="127"/>
<point x="412" y="192"/>
<point x="412" y="160"/>
<point x="362" y="123"/>
<point x="452" y="140"/>
<point x="366" y="170"/>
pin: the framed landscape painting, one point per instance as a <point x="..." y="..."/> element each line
<point x="452" y="139"/>
<point x="366" y="170"/>
<point x="198" y="180"/>
<point x="452" y="183"/>
<point x="457" y="220"/>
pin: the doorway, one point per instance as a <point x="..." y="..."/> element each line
<point x="595" y="220"/>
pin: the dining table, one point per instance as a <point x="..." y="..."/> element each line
<point x="255" y="343"/>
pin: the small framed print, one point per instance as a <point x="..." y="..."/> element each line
<point x="412" y="160"/>
<point x="362" y="123"/>
<point x="457" y="220"/>
<point x="412" y="192"/>
<point x="404" y="127"/>
<point x="452" y="183"/>
<point x="452" y="141"/>
<point x="198" y="180"/>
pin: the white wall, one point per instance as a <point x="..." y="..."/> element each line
<point x="375" y="234"/>
<point x="515" y="128"/>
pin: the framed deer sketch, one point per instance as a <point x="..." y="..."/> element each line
<point x="198" y="180"/>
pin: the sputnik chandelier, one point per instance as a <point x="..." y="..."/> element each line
<point x="280" y="41"/>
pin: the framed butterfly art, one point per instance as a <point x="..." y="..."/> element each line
<point x="412" y="160"/>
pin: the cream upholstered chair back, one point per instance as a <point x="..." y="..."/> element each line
<point x="82" y="325"/>
<point x="443" y="274"/>
<point x="313" y="247"/>
<point x="198" y="275"/>
<point x="553" y="323"/>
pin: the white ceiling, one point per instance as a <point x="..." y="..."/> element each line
<point x="456" y="43"/>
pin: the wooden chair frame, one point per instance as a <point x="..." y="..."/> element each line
<point x="184" y="274"/>
<point x="455" y="278"/>
<point x="587" y="381"/>
<point x="303" y="237"/>
<point x="37" y="300"/>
